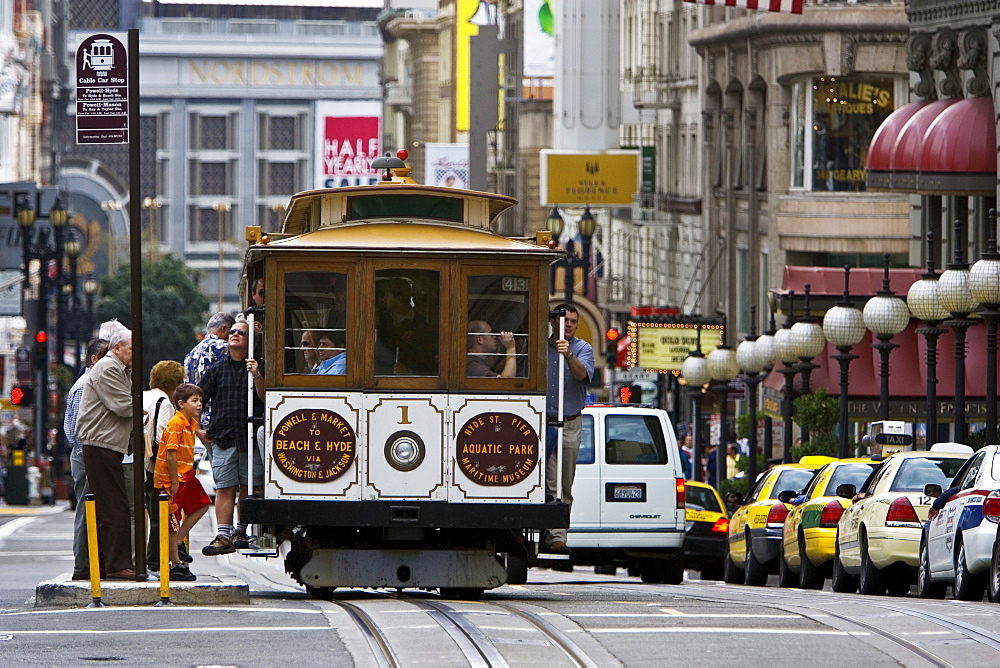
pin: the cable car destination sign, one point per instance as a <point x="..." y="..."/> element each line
<point x="663" y="346"/>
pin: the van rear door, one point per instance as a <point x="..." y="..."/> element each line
<point x="637" y="480"/>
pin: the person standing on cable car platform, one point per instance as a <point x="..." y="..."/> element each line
<point x="578" y="369"/>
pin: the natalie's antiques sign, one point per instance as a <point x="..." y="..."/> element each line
<point x="497" y="449"/>
<point x="312" y="445"/>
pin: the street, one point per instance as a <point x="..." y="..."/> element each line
<point x="557" y="619"/>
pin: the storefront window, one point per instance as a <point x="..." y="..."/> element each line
<point x="833" y="121"/>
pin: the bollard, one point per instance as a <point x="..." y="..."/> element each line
<point x="164" y="551"/>
<point x="95" y="557"/>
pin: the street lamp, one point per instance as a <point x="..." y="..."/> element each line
<point x="722" y="367"/>
<point x="694" y="371"/>
<point x="784" y="351"/>
<point x="807" y="342"/>
<point x="922" y="300"/>
<point x="764" y="349"/>
<point x="953" y="293"/>
<point x="752" y="359"/>
<point x="67" y="293"/>
<point x="885" y="315"/>
<point x="844" y="327"/>
<point x="984" y="285"/>
<point x="586" y="226"/>
<point x="220" y="208"/>
<point x="152" y="204"/>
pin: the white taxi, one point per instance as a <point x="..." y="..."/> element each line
<point x="878" y="537"/>
<point x="957" y="548"/>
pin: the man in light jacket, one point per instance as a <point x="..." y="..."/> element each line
<point x="104" y="427"/>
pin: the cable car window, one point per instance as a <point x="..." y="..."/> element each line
<point x="316" y="323"/>
<point x="497" y="326"/>
<point x="406" y="322"/>
<point x="366" y="207"/>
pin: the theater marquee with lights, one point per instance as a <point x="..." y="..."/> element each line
<point x="662" y="343"/>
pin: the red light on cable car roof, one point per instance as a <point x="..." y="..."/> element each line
<point x="402" y="154"/>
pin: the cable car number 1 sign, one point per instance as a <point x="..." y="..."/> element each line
<point x="101" y="91"/>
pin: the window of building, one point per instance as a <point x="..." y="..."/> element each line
<point x="211" y="178"/>
<point x="833" y="121"/>
<point x="280" y="133"/>
<point x="280" y="178"/>
<point x="205" y="224"/>
<point x="213" y="132"/>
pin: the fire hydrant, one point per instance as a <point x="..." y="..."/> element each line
<point x="34" y="486"/>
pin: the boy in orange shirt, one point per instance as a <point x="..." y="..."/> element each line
<point x="174" y="474"/>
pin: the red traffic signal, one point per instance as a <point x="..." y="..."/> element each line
<point x="22" y="395"/>
<point x="630" y="394"/>
<point x="612" y="334"/>
<point x="41" y="337"/>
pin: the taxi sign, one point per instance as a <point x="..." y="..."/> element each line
<point x="894" y="439"/>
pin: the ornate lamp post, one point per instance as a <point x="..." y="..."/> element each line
<point x="953" y="293"/>
<point x="586" y="226"/>
<point x="90" y="287"/>
<point x="695" y="372"/>
<point x="723" y="368"/>
<point x="67" y="294"/>
<point x="807" y="342"/>
<point x="152" y="204"/>
<point x="984" y="285"/>
<point x="751" y="361"/>
<point x="784" y="351"/>
<point x="844" y="327"/>
<point x="221" y="208"/>
<point x="885" y="315"/>
<point x="764" y="349"/>
<point x="922" y="300"/>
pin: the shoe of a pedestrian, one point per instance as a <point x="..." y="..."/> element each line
<point x="558" y="547"/>
<point x="181" y="573"/>
<point x="243" y="542"/>
<point x="81" y="576"/>
<point x="184" y="554"/>
<point x="221" y="545"/>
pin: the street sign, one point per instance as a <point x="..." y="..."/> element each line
<point x="101" y="91"/>
<point x="10" y="292"/>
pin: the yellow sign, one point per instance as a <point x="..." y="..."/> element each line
<point x="664" y="347"/>
<point x="5" y="404"/>
<point x="608" y="178"/>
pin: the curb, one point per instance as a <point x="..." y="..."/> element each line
<point x="207" y="590"/>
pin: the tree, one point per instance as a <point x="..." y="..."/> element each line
<point x="818" y="413"/>
<point x="173" y="308"/>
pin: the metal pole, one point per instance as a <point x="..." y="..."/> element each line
<point x="787" y="408"/>
<point x="135" y="268"/>
<point x="721" y="451"/>
<point x="990" y="316"/>
<point x="844" y="358"/>
<point x="884" y="347"/>
<point x="568" y="272"/>
<point x="752" y="380"/>
<point x="931" y="332"/>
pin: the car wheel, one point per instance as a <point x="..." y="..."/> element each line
<point x="842" y="581"/>
<point x="967" y="586"/>
<point x="461" y="593"/>
<point x="927" y="588"/>
<point x="517" y="569"/>
<point x="673" y="570"/>
<point x="651" y="570"/>
<point x="872" y="581"/>
<point x="810" y="577"/>
<point x="756" y="574"/>
<point x="897" y="580"/>
<point x="713" y="573"/>
<point x="993" y="590"/>
<point x="731" y="573"/>
<point x="605" y="569"/>
<point x="786" y="577"/>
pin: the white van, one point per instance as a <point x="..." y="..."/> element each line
<point x="628" y="496"/>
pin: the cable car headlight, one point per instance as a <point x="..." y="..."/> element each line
<point x="404" y="451"/>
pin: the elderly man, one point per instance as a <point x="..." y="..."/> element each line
<point x="209" y="350"/>
<point x="96" y="349"/>
<point x="104" y="427"/>
<point x="483" y="350"/>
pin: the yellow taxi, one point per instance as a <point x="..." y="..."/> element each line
<point x="706" y="528"/>
<point x="755" y="528"/>
<point x="810" y="530"/>
<point x="878" y="536"/>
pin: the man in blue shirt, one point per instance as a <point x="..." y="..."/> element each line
<point x="332" y="357"/>
<point x="578" y="357"/>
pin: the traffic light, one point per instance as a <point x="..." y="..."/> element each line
<point x="611" y="350"/>
<point x="22" y="395"/>
<point x="630" y="394"/>
<point x="41" y="348"/>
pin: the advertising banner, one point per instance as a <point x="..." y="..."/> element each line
<point x="447" y="165"/>
<point x="348" y="139"/>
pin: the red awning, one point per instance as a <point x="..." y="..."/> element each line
<point x="864" y="283"/>
<point x="959" y="152"/>
<point x="944" y="147"/>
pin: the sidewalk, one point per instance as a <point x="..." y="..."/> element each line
<point x="20" y="511"/>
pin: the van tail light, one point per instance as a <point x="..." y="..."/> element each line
<point x="991" y="506"/>
<point x="832" y="512"/>
<point x="680" y="493"/>
<point x="901" y="513"/>
<point x="776" y="516"/>
<point x="721" y="525"/>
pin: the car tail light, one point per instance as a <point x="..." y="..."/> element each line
<point x="901" y="513"/>
<point x="777" y="514"/>
<point x="680" y="493"/>
<point x="832" y="512"/>
<point x="991" y="506"/>
<point x="721" y="525"/>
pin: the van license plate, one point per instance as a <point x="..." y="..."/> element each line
<point x="625" y="492"/>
